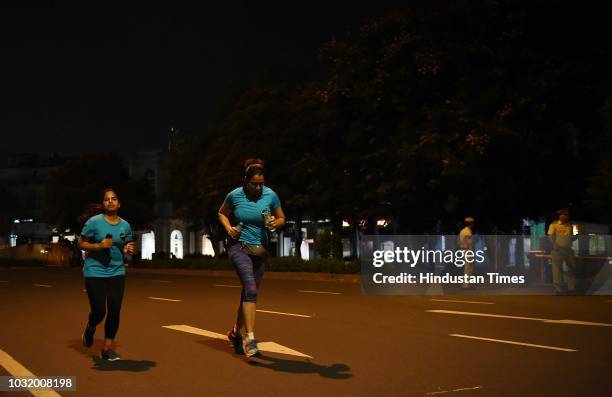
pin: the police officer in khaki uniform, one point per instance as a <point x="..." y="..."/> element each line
<point x="560" y="234"/>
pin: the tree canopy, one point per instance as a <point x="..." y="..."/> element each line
<point x="428" y="114"/>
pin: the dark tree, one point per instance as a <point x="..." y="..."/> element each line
<point x="425" y="115"/>
<point x="81" y="182"/>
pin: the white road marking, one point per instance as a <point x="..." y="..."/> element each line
<point x="468" y="388"/>
<point x="578" y="322"/>
<point x="161" y="281"/>
<point x="454" y="390"/>
<point x="510" y="342"/>
<point x="274" y="347"/>
<point x="227" y="285"/>
<point x="486" y="315"/>
<point x="460" y="301"/>
<point x="271" y="347"/>
<point x="320" y="292"/>
<point x="197" y="331"/>
<point x="284" y="314"/>
<point x="544" y="320"/>
<point x="42" y="285"/>
<point x="164" y="299"/>
<point x="15" y="369"/>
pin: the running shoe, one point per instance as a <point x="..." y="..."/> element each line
<point x="88" y="335"/>
<point x="110" y="355"/>
<point x="235" y="340"/>
<point x="250" y="347"/>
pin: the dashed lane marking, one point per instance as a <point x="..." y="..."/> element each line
<point x="284" y="314"/>
<point x="511" y="342"/>
<point x="461" y="301"/>
<point x="164" y="299"/>
<point x="544" y="320"/>
<point x="320" y="292"/>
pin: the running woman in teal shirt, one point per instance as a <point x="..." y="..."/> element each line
<point x="246" y="245"/>
<point x="106" y="238"/>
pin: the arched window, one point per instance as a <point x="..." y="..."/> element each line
<point x="176" y="244"/>
<point x="207" y="247"/>
<point x="147" y="248"/>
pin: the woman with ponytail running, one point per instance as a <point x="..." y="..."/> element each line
<point x="255" y="210"/>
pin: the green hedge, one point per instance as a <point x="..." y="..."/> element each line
<point x="275" y="264"/>
<point x="10" y="262"/>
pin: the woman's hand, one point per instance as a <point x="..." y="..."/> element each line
<point x="129" y="248"/>
<point x="234" y="232"/>
<point x="106" y="243"/>
<point x="272" y="222"/>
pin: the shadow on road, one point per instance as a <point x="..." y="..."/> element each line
<point x="334" y="371"/>
<point x="122" y="365"/>
<point x="304" y="366"/>
<point x="102" y="365"/>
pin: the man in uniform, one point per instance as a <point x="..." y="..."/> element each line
<point x="560" y="234"/>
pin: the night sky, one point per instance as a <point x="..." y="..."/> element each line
<point x="116" y="79"/>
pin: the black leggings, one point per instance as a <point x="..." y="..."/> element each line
<point x="103" y="293"/>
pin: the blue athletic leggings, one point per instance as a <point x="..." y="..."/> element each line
<point x="250" y="270"/>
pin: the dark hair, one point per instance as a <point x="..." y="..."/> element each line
<point x="253" y="162"/>
<point x="94" y="209"/>
<point x="108" y="189"/>
<point x="253" y="167"/>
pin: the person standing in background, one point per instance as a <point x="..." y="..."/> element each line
<point x="560" y="234"/>
<point x="466" y="243"/>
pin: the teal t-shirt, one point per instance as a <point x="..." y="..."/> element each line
<point x="248" y="212"/>
<point x="106" y="262"/>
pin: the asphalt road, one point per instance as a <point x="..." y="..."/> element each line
<point x="359" y="345"/>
